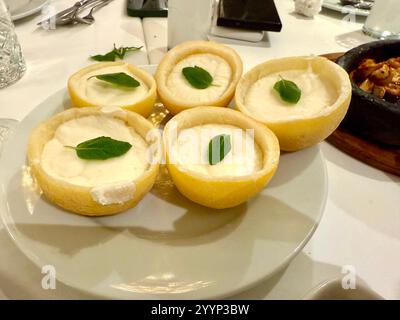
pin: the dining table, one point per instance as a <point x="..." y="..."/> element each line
<point x="360" y="227"/>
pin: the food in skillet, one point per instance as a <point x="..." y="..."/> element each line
<point x="379" y="78"/>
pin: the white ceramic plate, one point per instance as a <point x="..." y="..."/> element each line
<point x="333" y="290"/>
<point x="337" y="6"/>
<point x="23" y="8"/>
<point x="166" y="247"/>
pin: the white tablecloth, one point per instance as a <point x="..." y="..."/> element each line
<point x="361" y="223"/>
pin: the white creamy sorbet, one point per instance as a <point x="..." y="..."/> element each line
<point x="64" y="164"/>
<point x="216" y="66"/>
<point x="190" y="151"/>
<point x="104" y="93"/>
<point x="265" y="103"/>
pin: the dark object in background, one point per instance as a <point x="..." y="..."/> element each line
<point x="147" y="8"/>
<point x="368" y="115"/>
<point x="249" y="14"/>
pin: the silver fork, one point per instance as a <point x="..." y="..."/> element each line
<point x="360" y="4"/>
<point x="66" y="12"/>
<point x="70" y="15"/>
<point x="89" y="19"/>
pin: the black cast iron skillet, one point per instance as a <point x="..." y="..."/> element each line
<point x="368" y="115"/>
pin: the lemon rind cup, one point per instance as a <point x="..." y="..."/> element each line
<point x="79" y="199"/>
<point x="222" y="192"/>
<point x="143" y="107"/>
<point x="295" y="134"/>
<point x="180" y="52"/>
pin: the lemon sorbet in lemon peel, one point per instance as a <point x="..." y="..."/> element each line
<point x="95" y="161"/>
<point x="87" y="90"/>
<point x="198" y="73"/>
<point x="301" y="99"/>
<point x="218" y="157"/>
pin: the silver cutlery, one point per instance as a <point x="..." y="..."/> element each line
<point x="359" y="4"/>
<point x="67" y="11"/>
<point x="89" y="17"/>
<point x="70" y="15"/>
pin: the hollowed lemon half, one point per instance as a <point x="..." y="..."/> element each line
<point x="226" y="184"/>
<point x="94" y="187"/>
<point x="86" y="90"/>
<point x="325" y="97"/>
<point x="221" y="62"/>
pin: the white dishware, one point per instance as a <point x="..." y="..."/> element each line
<point x="13" y="5"/>
<point x="23" y="8"/>
<point x="383" y="22"/>
<point x="167" y="247"/>
<point x="12" y="63"/>
<point x="334" y="290"/>
<point x="188" y="20"/>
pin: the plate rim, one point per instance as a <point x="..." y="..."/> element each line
<point x="27" y="13"/>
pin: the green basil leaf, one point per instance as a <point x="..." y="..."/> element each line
<point x="197" y="77"/>
<point x="122" y="51"/>
<point x="120" y="79"/>
<point x="110" y="56"/>
<point x="218" y="148"/>
<point x="101" y="148"/>
<point x="115" y="53"/>
<point x="288" y="91"/>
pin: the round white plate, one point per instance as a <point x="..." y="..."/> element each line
<point x="23" y="8"/>
<point x="337" y="6"/>
<point x="167" y="247"/>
